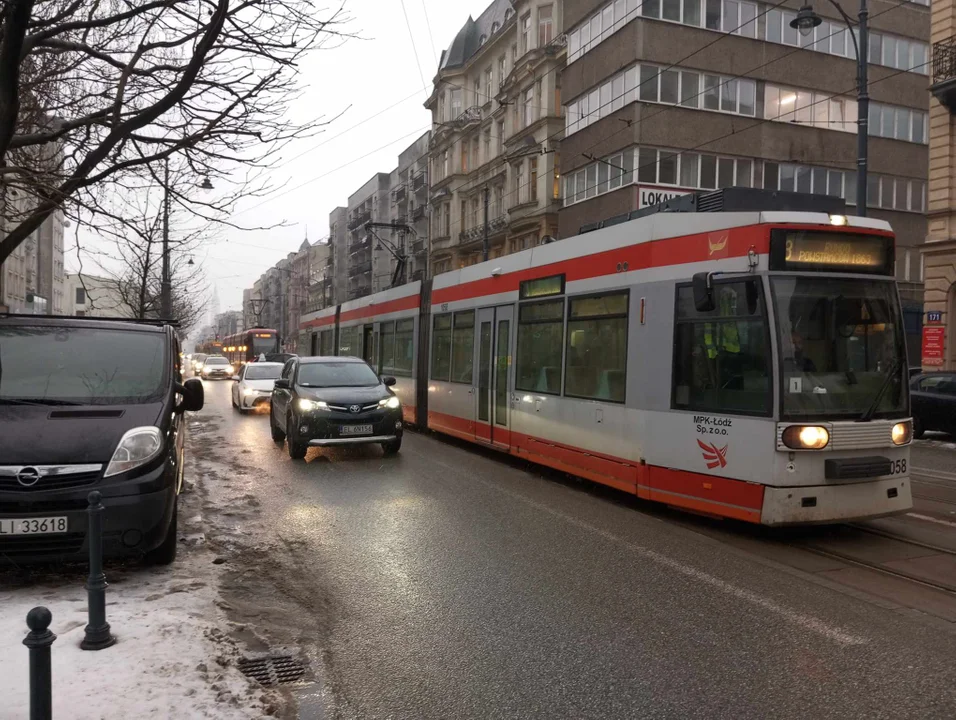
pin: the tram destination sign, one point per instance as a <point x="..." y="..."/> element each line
<point x="831" y="252"/>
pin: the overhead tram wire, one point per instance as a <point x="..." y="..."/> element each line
<point x="431" y="38"/>
<point x="668" y="108"/>
<point x="330" y="172"/>
<point x="414" y="47"/>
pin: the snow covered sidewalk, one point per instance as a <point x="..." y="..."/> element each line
<point x="172" y="657"/>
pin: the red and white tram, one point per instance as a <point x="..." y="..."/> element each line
<point x="742" y="364"/>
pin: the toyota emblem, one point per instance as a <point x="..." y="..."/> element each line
<point x="355" y="408"/>
<point x="28" y="476"/>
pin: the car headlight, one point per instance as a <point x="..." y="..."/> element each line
<point x="137" y="447"/>
<point x="806" y="437"/>
<point x="390" y="402"/>
<point x="307" y="405"/>
<point x="229" y="369"/>
<point x="249" y="391"/>
<point x="902" y="433"/>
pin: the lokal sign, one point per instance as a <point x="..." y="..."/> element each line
<point x="933" y="337"/>
<point x="648" y="195"/>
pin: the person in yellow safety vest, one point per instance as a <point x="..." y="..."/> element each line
<point x="729" y="339"/>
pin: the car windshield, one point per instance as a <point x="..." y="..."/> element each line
<point x="337" y="374"/>
<point x="217" y="361"/>
<point x="82" y="365"/>
<point x="263" y="372"/>
<point x="839" y="338"/>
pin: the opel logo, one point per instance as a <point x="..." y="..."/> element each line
<point x="355" y="408"/>
<point x="28" y="476"/>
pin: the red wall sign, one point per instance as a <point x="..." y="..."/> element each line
<point x="933" y="345"/>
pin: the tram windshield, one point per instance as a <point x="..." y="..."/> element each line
<point x="840" y="341"/>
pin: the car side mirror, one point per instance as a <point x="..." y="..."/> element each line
<point x="236" y="378"/>
<point x="282" y="384"/>
<point x="194" y="396"/>
<point x="703" y="292"/>
<point x="388" y="380"/>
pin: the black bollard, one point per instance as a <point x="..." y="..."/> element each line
<point x="97" y="635"/>
<point x="39" y="640"/>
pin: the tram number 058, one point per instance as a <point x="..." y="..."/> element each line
<point x="897" y="467"/>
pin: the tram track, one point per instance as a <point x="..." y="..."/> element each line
<point x="848" y="556"/>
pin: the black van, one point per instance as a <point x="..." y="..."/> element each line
<point x="90" y="404"/>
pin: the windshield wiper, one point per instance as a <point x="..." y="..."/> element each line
<point x="36" y="401"/>
<point x="894" y="369"/>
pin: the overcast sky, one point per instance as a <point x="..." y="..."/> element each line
<point x="374" y="81"/>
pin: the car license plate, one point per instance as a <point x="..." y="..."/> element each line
<point x="33" y="526"/>
<point x="356" y="429"/>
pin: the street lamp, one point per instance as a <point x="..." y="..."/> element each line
<point x="805" y="21"/>
<point x="166" y="285"/>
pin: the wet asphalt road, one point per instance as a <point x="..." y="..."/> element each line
<point x="445" y="583"/>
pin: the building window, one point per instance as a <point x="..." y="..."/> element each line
<point x="525" y="33"/>
<point x="545" y="25"/>
<point x="898" y="123"/>
<point x="556" y="190"/>
<point x="489" y="85"/>
<point x="80" y="296"/>
<point x="463" y="216"/>
<point x="464" y="156"/>
<point x="528" y="106"/>
<point x="456" y="108"/>
<point x="533" y="179"/>
<point x="808" y="108"/>
<point x="720" y="357"/>
<point x="477" y="87"/>
<point x="501" y="71"/>
<point x="487" y="140"/>
<point x="463" y="347"/>
<point x="446" y="225"/>
<point x="501" y="135"/>
<point x="519" y="182"/>
<point x="540" y="341"/>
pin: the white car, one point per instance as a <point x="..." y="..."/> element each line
<point x="252" y="387"/>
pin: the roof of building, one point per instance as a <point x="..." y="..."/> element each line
<point x="468" y="39"/>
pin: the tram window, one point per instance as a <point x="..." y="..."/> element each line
<point x="463" y="347"/>
<point x="721" y="360"/>
<point x="350" y="341"/>
<point x="540" y="341"/>
<point x="404" y="347"/>
<point x="596" y="359"/>
<point x="441" y="348"/>
<point x="327" y="343"/>
<point x="387" y="333"/>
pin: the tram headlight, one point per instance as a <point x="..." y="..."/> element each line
<point x="902" y="433"/>
<point x="806" y="437"/>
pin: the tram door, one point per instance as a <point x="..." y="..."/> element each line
<point x="494" y="375"/>
<point x="369" y="349"/>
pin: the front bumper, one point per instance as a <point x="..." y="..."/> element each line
<point x="217" y="375"/>
<point x="820" y="504"/>
<point x="135" y="520"/>
<point x="248" y="402"/>
<point x="323" y="428"/>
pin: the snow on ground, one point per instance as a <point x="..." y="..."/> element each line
<point x="174" y="656"/>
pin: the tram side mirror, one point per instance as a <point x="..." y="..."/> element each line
<point x="752" y="297"/>
<point x="703" y="292"/>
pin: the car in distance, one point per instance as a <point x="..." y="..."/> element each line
<point x="324" y="401"/>
<point x="89" y="404"/>
<point x="197" y="361"/>
<point x="253" y="385"/>
<point x="933" y="397"/>
<point x="281" y="358"/>
<point x="216" y="366"/>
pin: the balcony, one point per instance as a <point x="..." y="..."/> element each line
<point x="359" y="219"/>
<point x="362" y="242"/>
<point x="360" y="267"/>
<point x="441" y="242"/>
<point x="399" y="195"/>
<point x="418" y="247"/>
<point x="495" y="225"/>
<point x="944" y="73"/>
<point x="418" y="182"/>
<point x="418" y="213"/>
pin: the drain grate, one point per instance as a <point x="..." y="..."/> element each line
<point x="272" y="670"/>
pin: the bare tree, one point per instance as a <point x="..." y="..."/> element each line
<point x="94" y="93"/>
<point x="129" y="253"/>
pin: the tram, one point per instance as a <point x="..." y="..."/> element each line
<point x="249" y="345"/>
<point x="744" y="361"/>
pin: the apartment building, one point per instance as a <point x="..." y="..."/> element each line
<point x="667" y="97"/>
<point x="338" y="240"/>
<point x="939" y="252"/>
<point x="94" y="296"/>
<point x="496" y="129"/>
<point x="33" y="278"/>
<point x="370" y="203"/>
<point x="409" y="196"/>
